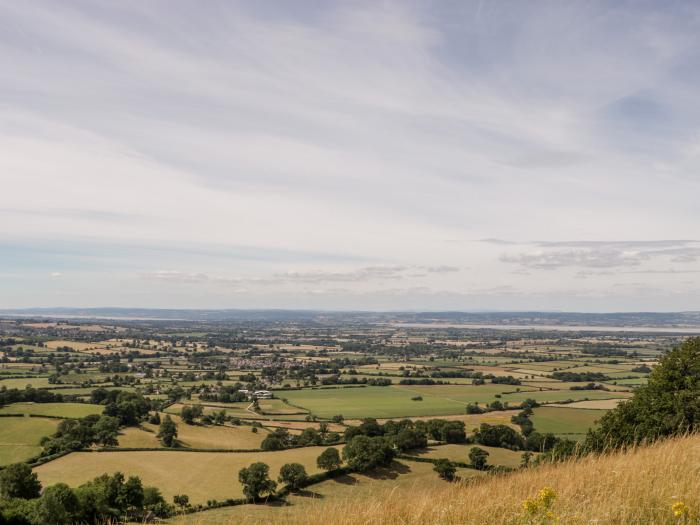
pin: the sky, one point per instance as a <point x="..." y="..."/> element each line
<point x="446" y="155"/>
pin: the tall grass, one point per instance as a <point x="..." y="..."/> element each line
<point x="639" y="486"/>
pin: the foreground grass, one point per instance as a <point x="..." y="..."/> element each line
<point x="401" y="475"/>
<point x="635" y="488"/>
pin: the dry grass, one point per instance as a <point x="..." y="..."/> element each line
<point x="201" y="475"/>
<point x="635" y="488"/>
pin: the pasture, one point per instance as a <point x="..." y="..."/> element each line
<point x="201" y="475"/>
<point x="20" y="436"/>
<point x="195" y="436"/>
<point x="565" y="421"/>
<point x="65" y="410"/>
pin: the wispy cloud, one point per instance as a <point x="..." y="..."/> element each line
<point x="328" y="146"/>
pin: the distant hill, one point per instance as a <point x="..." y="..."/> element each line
<point x="678" y="320"/>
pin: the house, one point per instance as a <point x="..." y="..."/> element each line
<point x="262" y="394"/>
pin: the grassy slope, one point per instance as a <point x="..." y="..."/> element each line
<point x="635" y="488"/>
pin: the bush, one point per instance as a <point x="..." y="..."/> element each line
<point x="477" y="458"/>
<point x="445" y="469"/>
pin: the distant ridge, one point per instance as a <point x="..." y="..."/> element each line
<point x="678" y="320"/>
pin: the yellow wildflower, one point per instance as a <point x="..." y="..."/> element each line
<point x="680" y="509"/>
<point x="546" y="496"/>
<point x="530" y="506"/>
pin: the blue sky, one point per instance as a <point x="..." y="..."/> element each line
<point x="350" y="155"/>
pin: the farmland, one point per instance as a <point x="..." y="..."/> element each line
<point x="422" y="392"/>
<point x="20" y="436"/>
<point x="201" y="475"/>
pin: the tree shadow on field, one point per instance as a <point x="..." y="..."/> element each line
<point x="346" y="480"/>
<point x="391" y="472"/>
<point x="309" y="494"/>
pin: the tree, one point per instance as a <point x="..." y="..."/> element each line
<point x="190" y="413"/>
<point x="323" y="429"/>
<point x="106" y="430"/>
<point x="294" y="475"/>
<point x="409" y="439"/>
<point x="256" y="481"/>
<point x="364" y="453"/>
<point x="272" y="442"/>
<point x="525" y="459"/>
<point x="167" y="432"/>
<point x="18" y="481"/>
<point x="329" y="459"/>
<point x="445" y="469"/>
<point x="57" y="506"/>
<point x="477" y="457"/>
<point x="498" y="436"/>
<point x="181" y="500"/>
<point x="668" y="405"/>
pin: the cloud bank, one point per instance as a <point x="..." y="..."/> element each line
<point x="234" y="154"/>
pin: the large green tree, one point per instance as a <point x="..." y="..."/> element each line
<point x="256" y="481"/>
<point x="167" y="432"/>
<point x="668" y="405"/>
<point x="18" y="481"/>
<point x="329" y="459"/>
<point x="364" y="453"/>
<point x="294" y="475"/>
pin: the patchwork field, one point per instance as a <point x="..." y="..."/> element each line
<point x="66" y="410"/>
<point x="195" y="436"/>
<point x="20" y="436"/>
<point x="437" y="400"/>
<point x="565" y="421"/>
<point x="201" y="475"/>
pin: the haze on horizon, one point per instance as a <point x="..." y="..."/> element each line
<point x="354" y="155"/>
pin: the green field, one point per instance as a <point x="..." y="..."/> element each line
<point x="379" y="402"/>
<point x="201" y="475"/>
<point x="562" y="421"/>
<point x="438" y="400"/>
<point x="20" y="436"/>
<point x="67" y="410"/>
<point x="23" y="382"/>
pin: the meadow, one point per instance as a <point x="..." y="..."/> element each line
<point x="60" y="410"/>
<point x="20" y="436"/>
<point x="202" y="476"/>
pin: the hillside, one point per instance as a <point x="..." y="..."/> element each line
<point x="637" y="487"/>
